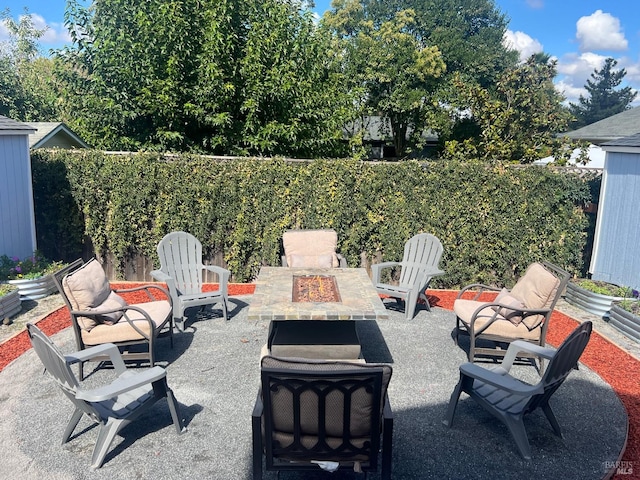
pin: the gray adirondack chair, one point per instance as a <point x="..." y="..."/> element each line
<point x="509" y="399"/>
<point x="181" y="268"/>
<point x="419" y="265"/>
<point x="112" y="406"/>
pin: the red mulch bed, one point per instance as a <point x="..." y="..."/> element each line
<point x="614" y="365"/>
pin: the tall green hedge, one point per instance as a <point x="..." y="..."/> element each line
<point x="492" y="220"/>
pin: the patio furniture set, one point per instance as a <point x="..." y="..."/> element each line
<point x="320" y="404"/>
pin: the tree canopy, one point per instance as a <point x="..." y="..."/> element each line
<point x="212" y="76"/>
<point x="263" y="77"/>
<point x="520" y="121"/>
<point x="388" y="69"/>
<point x="28" y="91"/>
<point x="604" y="98"/>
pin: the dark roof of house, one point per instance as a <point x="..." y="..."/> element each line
<point x="54" y="134"/>
<point x="11" y="127"/>
<point x="632" y="141"/>
<point x="614" y="127"/>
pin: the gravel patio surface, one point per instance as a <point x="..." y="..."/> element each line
<point x="213" y="371"/>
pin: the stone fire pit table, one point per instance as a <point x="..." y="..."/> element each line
<point x="315" y="329"/>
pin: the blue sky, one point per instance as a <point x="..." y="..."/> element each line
<point x="579" y="33"/>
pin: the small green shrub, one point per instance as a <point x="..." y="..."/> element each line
<point x="604" y="288"/>
<point x="29" y="268"/>
<point x="6" y="289"/>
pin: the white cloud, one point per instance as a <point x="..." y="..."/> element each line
<point x="582" y="65"/>
<point x="574" y="70"/>
<point x="570" y="91"/>
<point x="600" y="31"/>
<point x="535" y="3"/>
<point x="54" y="35"/>
<point x="521" y="42"/>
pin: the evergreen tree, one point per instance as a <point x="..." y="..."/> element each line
<point x="604" y="100"/>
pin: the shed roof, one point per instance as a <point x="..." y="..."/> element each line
<point x="626" y="144"/>
<point x="11" y="127"/>
<point x="611" y="128"/>
<point x="54" y="134"/>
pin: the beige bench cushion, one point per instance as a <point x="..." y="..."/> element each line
<point x="311" y="248"/>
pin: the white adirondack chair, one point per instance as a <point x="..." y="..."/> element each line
<point x="181" y="268"/>
<point x="419" y="265"/>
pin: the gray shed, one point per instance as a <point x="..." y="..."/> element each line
<point x="17" y="220"/>
<point x="616" y="255"/>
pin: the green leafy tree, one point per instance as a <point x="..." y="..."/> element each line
<point x="215" y="76"/>
<point x="28" y="90"/>
<point x="468" y="38"/>
<point x="604" y="98"/>
<point x="468" y="34"/>
<point x="519" y="121"/>
<point x="389" y="71"/>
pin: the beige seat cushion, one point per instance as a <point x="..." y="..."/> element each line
<point x="311" y="248"/>
<point x="122" y="331"/>
<point x="361" y="401"/>
<point x="88" y="289"/>
<point x="502" y="327"/>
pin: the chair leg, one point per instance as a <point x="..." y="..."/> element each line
<point x="179" y="323"/>
<point x="453" y="402"/>
<point x="256" y="424"/>
<point x="175" y="410"/>
<point x="106" y="434"/>
<point x="71" y="426"/>
<point x="409" y="309"/>
<point x="546" y="408"/>
<point x="224" y="309"/>
<point x="519" y="434"/>
<point x="387" y="445"/>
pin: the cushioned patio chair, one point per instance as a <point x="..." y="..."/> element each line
<point x="311" y="249"/>
<point x="322" y="414"/>
<point x="419" y="265"/>
<point x="509" y="399"/>
<point x="99" y="315"/>
<point x="112" y="406"/>
<point x="520" y="314"/>
<point x="181" y="268"/>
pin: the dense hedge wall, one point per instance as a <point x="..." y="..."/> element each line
<point x="492" y="220"/>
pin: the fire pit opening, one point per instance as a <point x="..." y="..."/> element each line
<point x="315" y="288"/>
